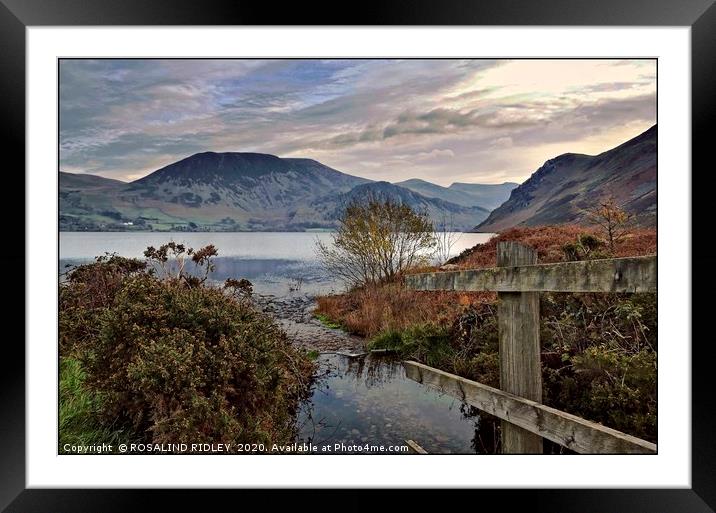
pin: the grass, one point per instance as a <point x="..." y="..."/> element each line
<point x="328" y="322"/>
<point x="391" y="307"/>
<point x="80" y="410"/>
<point x="425" y="342"/>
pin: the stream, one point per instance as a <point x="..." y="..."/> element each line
<point x="368" y="401"/>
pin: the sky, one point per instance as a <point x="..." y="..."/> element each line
<point x="445" y="121"/>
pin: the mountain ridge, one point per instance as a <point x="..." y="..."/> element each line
<point x="229" y="191"/>
<point x="487" y="196"/>
<point x="562" y="188"/>
<point x="443" y="213"/>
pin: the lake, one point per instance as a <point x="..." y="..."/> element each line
<point x="275" y="262"/>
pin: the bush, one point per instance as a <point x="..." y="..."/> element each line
<point x="87" y="292"/>
<point x="585" y="247"/>
<point x="377" y="240"/>
<point x="177" y="361"/>
<point x="600" y="358"/>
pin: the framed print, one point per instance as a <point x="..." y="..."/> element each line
<point x="253" y="253"/>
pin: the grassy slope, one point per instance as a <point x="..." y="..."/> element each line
<point x="561" y="190"/>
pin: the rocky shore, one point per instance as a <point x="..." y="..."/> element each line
<point x="294" y="314"/>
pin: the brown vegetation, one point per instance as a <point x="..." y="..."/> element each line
<point x="598" y="350"/>
<point x="611" y="219"/>
<point x="549" y="241"/>
<point x="369" y="310"/>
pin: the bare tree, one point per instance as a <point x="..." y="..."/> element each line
<point x="611" y="219"/>
<point x="376" y="241"/>
<point x="445" y="237"/>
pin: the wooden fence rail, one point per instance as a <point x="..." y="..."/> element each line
<point x="568" y="430"/>
<point x="518" y="280"/>
<point x="634" y="274"/>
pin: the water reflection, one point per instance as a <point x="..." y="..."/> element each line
<point x="269" y="276"/>
<point x="369" y="400"/>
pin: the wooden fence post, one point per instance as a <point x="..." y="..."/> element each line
<point x="520" y="367"/>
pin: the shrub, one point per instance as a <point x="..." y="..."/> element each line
<point x="178" y="361"/>
<point x="585" y="247"/>
<point x="612" y="220"/>
<point x="377" y="240"/>
<point x="428" y="343"/>
<point x="599" y="358"/>
<point x="88" y="291"/>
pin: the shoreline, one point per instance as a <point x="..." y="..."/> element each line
<point x="294" y="313"/>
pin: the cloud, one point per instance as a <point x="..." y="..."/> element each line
<point x="443" y="120"/>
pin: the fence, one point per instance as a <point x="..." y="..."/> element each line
<point x="518" y="280"/>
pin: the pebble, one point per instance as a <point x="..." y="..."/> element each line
<point x="295" y="316"/>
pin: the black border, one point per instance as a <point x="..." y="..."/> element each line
<point x="16" y="15"/>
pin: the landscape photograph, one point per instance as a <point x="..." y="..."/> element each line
<point x="357" y="256"/>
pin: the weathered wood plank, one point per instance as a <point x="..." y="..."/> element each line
<point x="632" y="274"/>
<point x="519" y="342"/>
<point x="415" y="447"/>
<point x="568" y="430"/>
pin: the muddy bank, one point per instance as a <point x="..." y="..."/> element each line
<point x="294" y="314"/>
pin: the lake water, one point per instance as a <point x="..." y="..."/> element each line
<point x="369" y="400"/>
<point x="275" y="262"/>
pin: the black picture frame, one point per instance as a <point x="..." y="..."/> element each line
<point x="17" y="15"/>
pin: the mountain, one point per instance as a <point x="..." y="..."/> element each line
<point x="466" y="194"/>
<point x="560" y="190"/>
<point x="249" y="191"/>
<point x="442" y="213"/>
<point x="232" y="192"/>
<point x="78" y="192"/>
<point x="70" y="181"/>
<point x="432" y="190"/>
<point x="489" y="196"/>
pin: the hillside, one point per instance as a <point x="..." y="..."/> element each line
<point x="206" y="191"/>
<point x="328" y="208"/>
<point x="560" y="190"/>
<point x="69" y="181"/>
<point x="487" y="196"/>
<point x="233" y="192"/>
